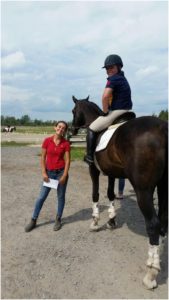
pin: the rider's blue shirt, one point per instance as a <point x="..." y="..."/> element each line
<point x="121" y="92"/>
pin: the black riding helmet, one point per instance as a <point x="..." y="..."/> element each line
<point x="113" y="59"/>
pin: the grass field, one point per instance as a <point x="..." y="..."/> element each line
<point x="35" y="129"/>
<point x="77" y="153"/>
<point x="14" y="144"/>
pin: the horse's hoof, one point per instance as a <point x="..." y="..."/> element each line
<point x="150" y="278"/>
<point x="149" y="284"/>
<point x="111" y="224"/>
<point x="94" y="227"/>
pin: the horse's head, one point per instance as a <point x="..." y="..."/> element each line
<point x="84" y="113"/>
<point x="79" y="119"/>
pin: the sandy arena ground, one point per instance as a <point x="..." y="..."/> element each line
<point x="72" y="263"/>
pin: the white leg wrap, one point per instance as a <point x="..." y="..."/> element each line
<point x="153" y="260"/>
<point x="111" y="210"/>
<point x="153" y="267"/>
<point x="95" y="210"/>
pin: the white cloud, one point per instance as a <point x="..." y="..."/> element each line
<point x="11" y="77"/>
<point x="65" y="44"/>
<point x="13" y="60"/>
<point x="143" y="72"/>
<point x="10" y="93"/>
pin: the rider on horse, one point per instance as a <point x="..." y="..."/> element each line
<point x="116" y="100"/>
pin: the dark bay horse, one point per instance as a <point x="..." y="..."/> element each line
<point x="138" y="151"/>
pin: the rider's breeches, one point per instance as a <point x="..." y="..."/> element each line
<point x="103" y="122"/>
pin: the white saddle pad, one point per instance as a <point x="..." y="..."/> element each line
<point x="105" y="138"/>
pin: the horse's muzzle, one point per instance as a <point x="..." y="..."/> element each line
<point x="74" y="130"/>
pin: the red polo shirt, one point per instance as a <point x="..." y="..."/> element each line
<point x="55" y="153"/>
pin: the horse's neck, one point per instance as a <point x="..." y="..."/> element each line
<point x="91" y="115"/>
<point x="90" y="118"/>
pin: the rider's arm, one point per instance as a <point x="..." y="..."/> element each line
<point x="107" y="99"/>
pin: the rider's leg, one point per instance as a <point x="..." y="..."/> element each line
<point x="98" y="125"/>
<point x="91" y="145"/>
<point x="103" y="122"/>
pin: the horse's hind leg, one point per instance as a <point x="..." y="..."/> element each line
<point x="145" y="202"/>
<point x="111" y="224"/>
<point x="162" y="191"/>
<point x="94" y="173"/>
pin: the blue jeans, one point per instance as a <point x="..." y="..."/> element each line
<point x="121" y="185"/>
<point x="61" y="191"/>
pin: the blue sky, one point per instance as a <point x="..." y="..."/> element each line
<point x="52" y="50"/>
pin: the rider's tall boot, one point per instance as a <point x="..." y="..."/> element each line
<point x="91" y="145"/>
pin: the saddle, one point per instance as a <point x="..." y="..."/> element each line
<point x="106" y="136"/>
<point x="124" y="117"/>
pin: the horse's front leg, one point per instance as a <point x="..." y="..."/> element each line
<point x="94" y="173"/>
<point x="111" y="224"/>
<point x="145" y="201"/>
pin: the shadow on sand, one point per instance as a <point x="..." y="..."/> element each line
<point x="129" y="214"/>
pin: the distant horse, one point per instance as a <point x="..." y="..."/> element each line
<point x="9" y="129"/>
<point x="137" y="151"/>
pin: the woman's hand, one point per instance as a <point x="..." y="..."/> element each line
<point x="62" y="179"/>
<point x="45" y="177"/>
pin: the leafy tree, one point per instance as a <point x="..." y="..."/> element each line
<point x="8" y="121"/>
<point x="163" y="115"/>
<point x="25" y="120"/>
<point x="2" y="120"/>
<point x="38" y="122"/>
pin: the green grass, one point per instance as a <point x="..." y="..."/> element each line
<point x="35" y="129"/>
<point x="14" y="144"/>
<point x="77" y="153"/>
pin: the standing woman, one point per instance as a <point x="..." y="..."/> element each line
<point x="55" y="163"/>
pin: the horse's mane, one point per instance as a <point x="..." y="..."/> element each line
<point x="96" y="108"/>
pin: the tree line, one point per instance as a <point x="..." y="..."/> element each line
<point x="163" y="115"/>
<point x="25" y="120"/>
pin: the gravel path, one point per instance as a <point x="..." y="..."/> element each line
<point x="72" y="263"/>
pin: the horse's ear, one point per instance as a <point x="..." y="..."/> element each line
<point x="74" y="99"/>
<point x="87" y="98"/>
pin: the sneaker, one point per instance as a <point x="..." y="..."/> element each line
<point x="119" y="196"/>
<point x="31" y="225"/>
<point x="57" y="225"/>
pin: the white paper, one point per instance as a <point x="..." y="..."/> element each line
<point x="52" y="183"/>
